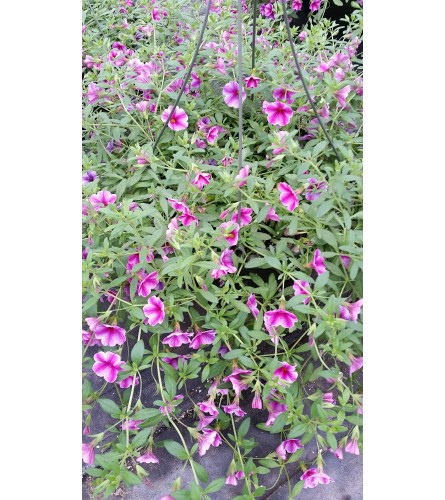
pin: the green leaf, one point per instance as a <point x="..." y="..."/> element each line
<point x="298" y="430"/>
<point x="109" y="406"/>
<point x="216" y="485"/>
<point x="274" y="262"/>
<point x="201" y="472"/>
<point x="176" y="449"/>
<point x="297" y="489"/>
<point x="121" y="188"/>
<point x="327" y="236"/>
<point x="146" y="413"/>
<point x="332" y="442"/>
<point x="141" y="438"/>
<point x="236" y="353"/>
<point x="129" y="478"/>
<point x="279" y="423"/>
<point x="181" y="495"/>
<point x="243" y="428"/>
<point x="137" y="352"/>
<point x="95" y="472"/>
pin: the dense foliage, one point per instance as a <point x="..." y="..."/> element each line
<point x="179" y="286"/>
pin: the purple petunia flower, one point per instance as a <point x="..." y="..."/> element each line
<point x="317" y="263"/>
<point x="179" y="119"/>
<point x="278" y="113"/>
<point x="102" y="199"/>
<point x="286" y="372"/>
<point x="147" y="458"/>
<point x="90" y="176"/>
<point x="302" y="287"/>
<point x="231" y="94"/>
<point x="107" y="365"/>
<point x="154" y="311"/>
<point x="313" y="477"/>
<point x="315" y="189"/>
<point x="110" y="335"/>
<point x="252" y="305"/>
<point x="288" y="196"/>
<point x="203" y="338"/>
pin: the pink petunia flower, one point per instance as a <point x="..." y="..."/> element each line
<point x="350" y="312"/>
<point x="88" y="453"/>
<point x="147" y="458"/>
<point x="267" y="10"/>
<point x="271" y="215"/>
<point x="342" y="94"/>
<point x="234" y="409"/>
<point x="278" y="113"/>
<point x="346" y="260"/>
<point x="246" y="216"/>
<point x="297" y="5"/>
<point x="243" y="174"/>
<point x="209" y="437"/>
<point x="302" y="287"/>
<point x="94" y="93"/>
<point x="212" y="135"/>
<point x="315" y="189"/>
<point x="231" y="94"/>
<point x="280" y="143"/>
<point x="314" y="5"/>
<point x="328" y="397"/>
<point x="251" y="81"/>
<point x="203" y="338"/>
<point x="86" y="339"/>
<point x="128" y="382"/>
<point x="288" y="446"/>
<point x="312" y="477"/>
<point x="338" y="453"/>
<point x="102" y="199"/>
<point x="252" y="305"/>
<point x="352" y="447"/>
<point x="178" y="121"/>
<point x="339" y="74"/>
<point x="110" y="335"/>
<point x="195" y="81"/>
<point x="317" y="263"/>
<point x="208" y="407"/>
<point x="356" y="364"/>
<point x="257" y="404"/>
<point x="225" y="265"/>
<point x="230" y="231"/>
<point x="154" y="311"/>
<point x="92" y="323"/>
<point x="177" y="205"/>
<point x="288" y="196"/>
<point x="174" y="362"/>
<point x="142" y="106"/>
<point x="90" y="176"/>
<point x="131" y="425"/>
<point x="177" y="338"/>
<point x="303" y="35"/>
<point x="166" y="410"/>
<point x="187" y="218"/>
<point x="107" y="365"/>
<point x="147" y="284"/>
<point x="286" y="372"/>
<point x="237" y="382"/>
<point x="275" y="408"/>
<point x="280" y="317"/>
<point x="201" y="179"/>
<point x="283" y="94"/>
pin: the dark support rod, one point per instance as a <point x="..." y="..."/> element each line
<point x="286" y="22"/>
<point x="186" y="79"/>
